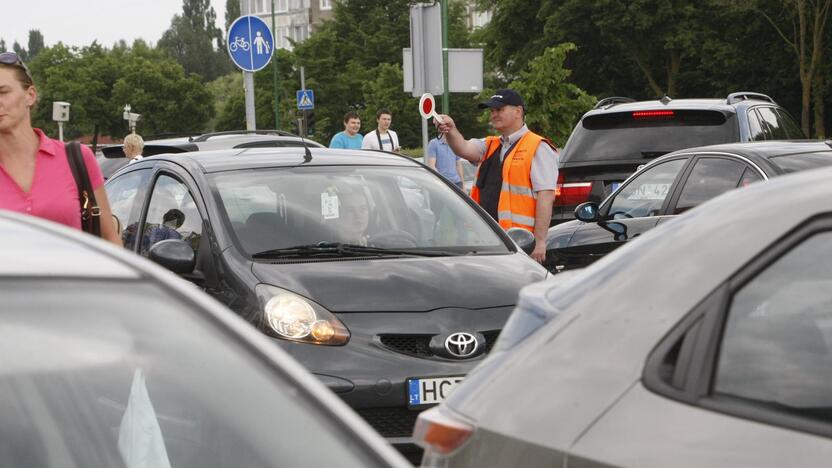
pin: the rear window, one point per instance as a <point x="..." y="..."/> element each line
<point x="802" y="161"/>
<point x="646" y="134"/>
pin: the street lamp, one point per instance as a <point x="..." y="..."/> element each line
<point x="131" y="118"/>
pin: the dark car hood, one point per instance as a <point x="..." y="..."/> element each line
<point x="407" y="284"/>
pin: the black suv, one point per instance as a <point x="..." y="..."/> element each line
<point x="619" y="134"/>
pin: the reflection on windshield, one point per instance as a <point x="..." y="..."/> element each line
<point x="383" y="207"/>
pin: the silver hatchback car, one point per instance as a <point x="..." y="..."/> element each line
<point x="705" y="343"/>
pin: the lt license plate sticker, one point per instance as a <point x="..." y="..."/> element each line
<point x="614" y="186"/>
<point x="430" y="391"/>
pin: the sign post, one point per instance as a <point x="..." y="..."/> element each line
<point x="250" y="46"/>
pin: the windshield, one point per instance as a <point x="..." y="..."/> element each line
<point x="621" y="136"/>
<point x="406" y="209"/>
<point x="802" y="161"/>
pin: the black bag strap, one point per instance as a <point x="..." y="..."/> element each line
<point x="90" y="211"/>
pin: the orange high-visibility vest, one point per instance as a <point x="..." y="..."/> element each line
<point x="517" y="203"/>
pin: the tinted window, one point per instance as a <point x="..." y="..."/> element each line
<point x="118" y="374"/>
<point x="788" y="123"/>
<point x="619" y="135"/>
<point x="771" y="124"/>
<point x="709" y="178"/>
<point x="776" y="344"/>
<point x="646" y="193"/>
<point x="121" y="192"/>
<point x="802" y="161"/>
<point x="375" y="206"/>
<point x="172" y="214"/>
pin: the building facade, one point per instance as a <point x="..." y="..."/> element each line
<point x="294" y="20"/>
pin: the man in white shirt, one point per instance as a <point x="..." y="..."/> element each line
<point x="133" y="146"/>
<point x="382" y="138"/>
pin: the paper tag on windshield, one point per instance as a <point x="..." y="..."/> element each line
<point x="329" y="206"/>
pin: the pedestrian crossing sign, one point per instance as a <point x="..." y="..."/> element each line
<point x="306" y="99"/>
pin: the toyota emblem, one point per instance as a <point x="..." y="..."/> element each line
<point x="461" y="344"/>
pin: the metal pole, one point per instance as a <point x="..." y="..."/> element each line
<point x="60" y="131"/>
<point x="425" y="138"/>
<point x="446" y="95"/>
<point x="274" y="68"/>
<point x="303" y="88"/>
<point x="248" y="84"/>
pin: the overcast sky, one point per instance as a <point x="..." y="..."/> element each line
<point x="78" y="23"/>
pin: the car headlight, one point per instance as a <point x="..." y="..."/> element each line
<point x="292" y="317"/>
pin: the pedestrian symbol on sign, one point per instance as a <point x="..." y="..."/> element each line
<point x="306" y="99"/>
<point x="250" y="43"/>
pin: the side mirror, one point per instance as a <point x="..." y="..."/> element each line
<point x="174" y="254"/>
<point x="587" y="212"/>
<point x="523" y="238"/>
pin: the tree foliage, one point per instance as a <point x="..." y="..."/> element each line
<point x="98" y="82"/>
<point x="195" y="42"/>
<point x="553" y="104"/>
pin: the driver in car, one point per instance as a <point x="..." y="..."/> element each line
<point x="353" y="216"/>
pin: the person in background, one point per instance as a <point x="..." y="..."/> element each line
<point x="35" y="176"/>
<point x="382" y="138"/>
<point x="441" y="157"/>
<point x="349" y="138"/>
<point x="133" y="146"/>
<point x="518" y="170"/>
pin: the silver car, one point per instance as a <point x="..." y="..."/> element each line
<point x="110" y="361"/>
<point x="705" y="343"/>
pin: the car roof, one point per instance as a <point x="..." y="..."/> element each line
<point x="675" y="104"/>
<point x="209" y="141"/>
<point x="254" y="158"/>
<point x="32" y="247"/>
<point x="759" y="149"/>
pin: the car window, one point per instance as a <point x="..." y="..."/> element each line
<point x="755" y="127"/>
<point x="130" y="375"/>
<point x="789" y="125"/>
<point x="391" y="207"/>
<point x="772" y="124"/>
<point x="172" y="214"/>
<point x="708" y="178"/>
<point x="645" y="194"/>
<point x="749" y="176"/>
<point x="646" y="134"/>
<point x="775" y="348"/>
<point x="121" y="192"/>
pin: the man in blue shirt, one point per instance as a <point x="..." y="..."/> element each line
<point x="441" y="157"/>
<point x="349" y="138"/>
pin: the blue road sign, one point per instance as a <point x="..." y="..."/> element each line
<point x="306" y="99"/>
<point x="250" y="43"/>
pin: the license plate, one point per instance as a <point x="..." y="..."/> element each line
<point x="430" y="391"/>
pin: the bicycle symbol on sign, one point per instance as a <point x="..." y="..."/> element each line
<point x="240" y="42"/>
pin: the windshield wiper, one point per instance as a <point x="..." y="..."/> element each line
<point x="323" y="249"/>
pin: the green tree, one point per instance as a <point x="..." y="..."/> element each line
<point x="232" y="12"/>
<point x="553" y="105"/>
<point x="35" y="43"/>
<point x="195" y="42"/>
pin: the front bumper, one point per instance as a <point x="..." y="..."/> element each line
<point x="385" y="349"/>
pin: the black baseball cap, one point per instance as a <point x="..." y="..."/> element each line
<point x="503" y="97"/>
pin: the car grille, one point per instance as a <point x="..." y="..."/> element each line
<point x="419" y="345"/>
<point x="390" y="422"/>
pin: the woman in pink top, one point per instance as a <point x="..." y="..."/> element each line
<point x="35" y="177"/>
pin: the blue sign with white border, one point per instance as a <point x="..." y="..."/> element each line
<point x="306" y="99"/>
<point x="250" y="43"/>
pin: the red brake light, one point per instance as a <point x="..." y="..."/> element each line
<point x="439" y="433"/>
<point x="654" y="115"/>
<point x="571" y="193"/>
